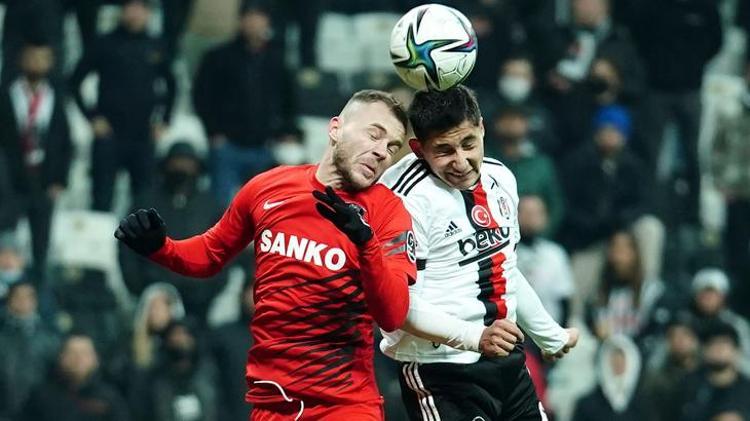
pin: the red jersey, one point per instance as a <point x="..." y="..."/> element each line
<point x="315" y="291"/>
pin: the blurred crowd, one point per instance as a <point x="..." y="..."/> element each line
<point x="625" y="122"/>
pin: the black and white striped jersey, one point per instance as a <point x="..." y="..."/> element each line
<point x="466" y="259"/>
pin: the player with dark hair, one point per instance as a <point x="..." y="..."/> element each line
<point x="333" y="252"/>
<point x="465" y="220"/>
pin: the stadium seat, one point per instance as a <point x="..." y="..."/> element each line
<point x="374" y="37"/>
<point x="337" y="48"/>
<point x="316" y="135"/>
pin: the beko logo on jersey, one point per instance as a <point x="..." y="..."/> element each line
<point x="302" y="249"/>
<point x="483" y="240"/>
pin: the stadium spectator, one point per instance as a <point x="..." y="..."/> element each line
<point x="289" y="147"/>
<point x="516" y="86"/>
<point x="229" y="345"/>
<point x="676" y="38"/>
<point x="159" y="305"/>
<point x="241" y="95"/>
<point x="130" y="112"/>
<point x="27" y="347"/>
<point x="730" y="172"/>
<point x="567" y="58"/>
<point x="8" y="211"/>
<point x="87" y="16"/>
<point x="499" y="32"/>
<point x="605" y="193"/>
<point x="305" y="15"/>
<point x="182" y="385"/>
<point x="73" y="391"/>
<point x="35" y="138"/>
<point x="718" y="391"/>
<point x="138" y="350"/>
<point x="618" y="395"/>
<point x="544" y="262"/>
<point x="665" y="378"/>
<point x="179" y="195"/>
<point x="26" y="20"/>
<point x="535" y="172"/>
<point x="626" y="298"/>
<point x="710" y="290"/>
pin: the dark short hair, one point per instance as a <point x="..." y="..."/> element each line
<point x="434" y="112"/>
<point x="370" y="96"/>
<point x="719" y="329"/>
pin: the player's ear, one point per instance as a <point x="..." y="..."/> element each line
<point x="416" y="147"/>
<point x="481" y="126"/>
<point x="334" y="127"/>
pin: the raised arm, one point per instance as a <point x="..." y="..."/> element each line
<point x="203" y="255"/>
<point x="385" y="269"/>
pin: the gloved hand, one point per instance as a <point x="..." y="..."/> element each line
<point x="348" y="217"/>
<point x="143" y="231"/>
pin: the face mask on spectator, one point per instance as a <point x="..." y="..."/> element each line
<point x="717" y="366"/>
<point x="289" y="153"/>
<point x="514" y="88"/>
<point x="9" y="276"/>
<point x="179" y="181"/>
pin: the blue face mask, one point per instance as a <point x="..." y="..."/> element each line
<point x="9" y="276"/>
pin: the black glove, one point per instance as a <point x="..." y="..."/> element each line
<point x="143" y="231"/>
<point x="348" y="217"/>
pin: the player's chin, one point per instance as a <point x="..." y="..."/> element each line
<point x="361" y="181"/>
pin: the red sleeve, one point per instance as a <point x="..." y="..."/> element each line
<point x="206" y="254"/>
<point x="387" y="265"/>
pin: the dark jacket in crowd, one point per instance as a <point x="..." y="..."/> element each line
<point x="229" y="345"/>
<point x="242" y="95"/>
<point x="703" y="401"/>
<point x="601" y="197"/>
<point x="130" y="66"/>
<point x="596" y="407"/>
<point x="8" y="209"/>
<point x="27" y="350"/>
<point x="676" y="39"/>
<point x="54" y="141"/>
<point x="54" y="400"/>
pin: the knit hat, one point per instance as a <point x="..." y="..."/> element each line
<point x="614" y="116"/>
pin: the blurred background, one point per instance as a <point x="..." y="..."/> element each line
<point x="626" y="123"/>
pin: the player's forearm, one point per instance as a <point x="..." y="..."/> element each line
<point x="386" y="290"/>
<point x="189" y="257"/>
<point x="429" y="322"/>
<point x="536" y="321"/>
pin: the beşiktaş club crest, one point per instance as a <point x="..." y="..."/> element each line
<point x="481" y="216"/>
<point x="502" y="204"/>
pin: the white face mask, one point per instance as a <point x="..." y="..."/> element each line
<point x="514" y="88"/>
<point x="289" y="153"/>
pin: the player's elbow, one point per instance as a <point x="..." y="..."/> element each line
<point x="394" y="319"/>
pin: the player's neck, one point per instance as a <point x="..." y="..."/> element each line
<point x="327" y="173"/>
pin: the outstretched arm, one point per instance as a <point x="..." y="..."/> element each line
<point x="203" y="255"/>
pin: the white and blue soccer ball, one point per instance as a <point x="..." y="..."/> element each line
<point x="433" y="47"/>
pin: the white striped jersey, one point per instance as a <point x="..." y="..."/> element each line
<point x="466" y="259"/>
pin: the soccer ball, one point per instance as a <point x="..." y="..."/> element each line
<point x="433" y="47"/>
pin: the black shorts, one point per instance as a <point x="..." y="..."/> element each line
<point x="489" y="390"/>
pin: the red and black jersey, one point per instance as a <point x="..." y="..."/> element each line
<point x="316" y="292"/>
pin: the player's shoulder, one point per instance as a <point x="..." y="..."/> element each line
<point x="497" y="170"/>
<point x="409" y="177"/>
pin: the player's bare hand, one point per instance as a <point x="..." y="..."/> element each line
<point x="573" y="335"/>
<point x="499" y="338"/>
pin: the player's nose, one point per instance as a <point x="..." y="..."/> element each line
<point x="380" y="150"/>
